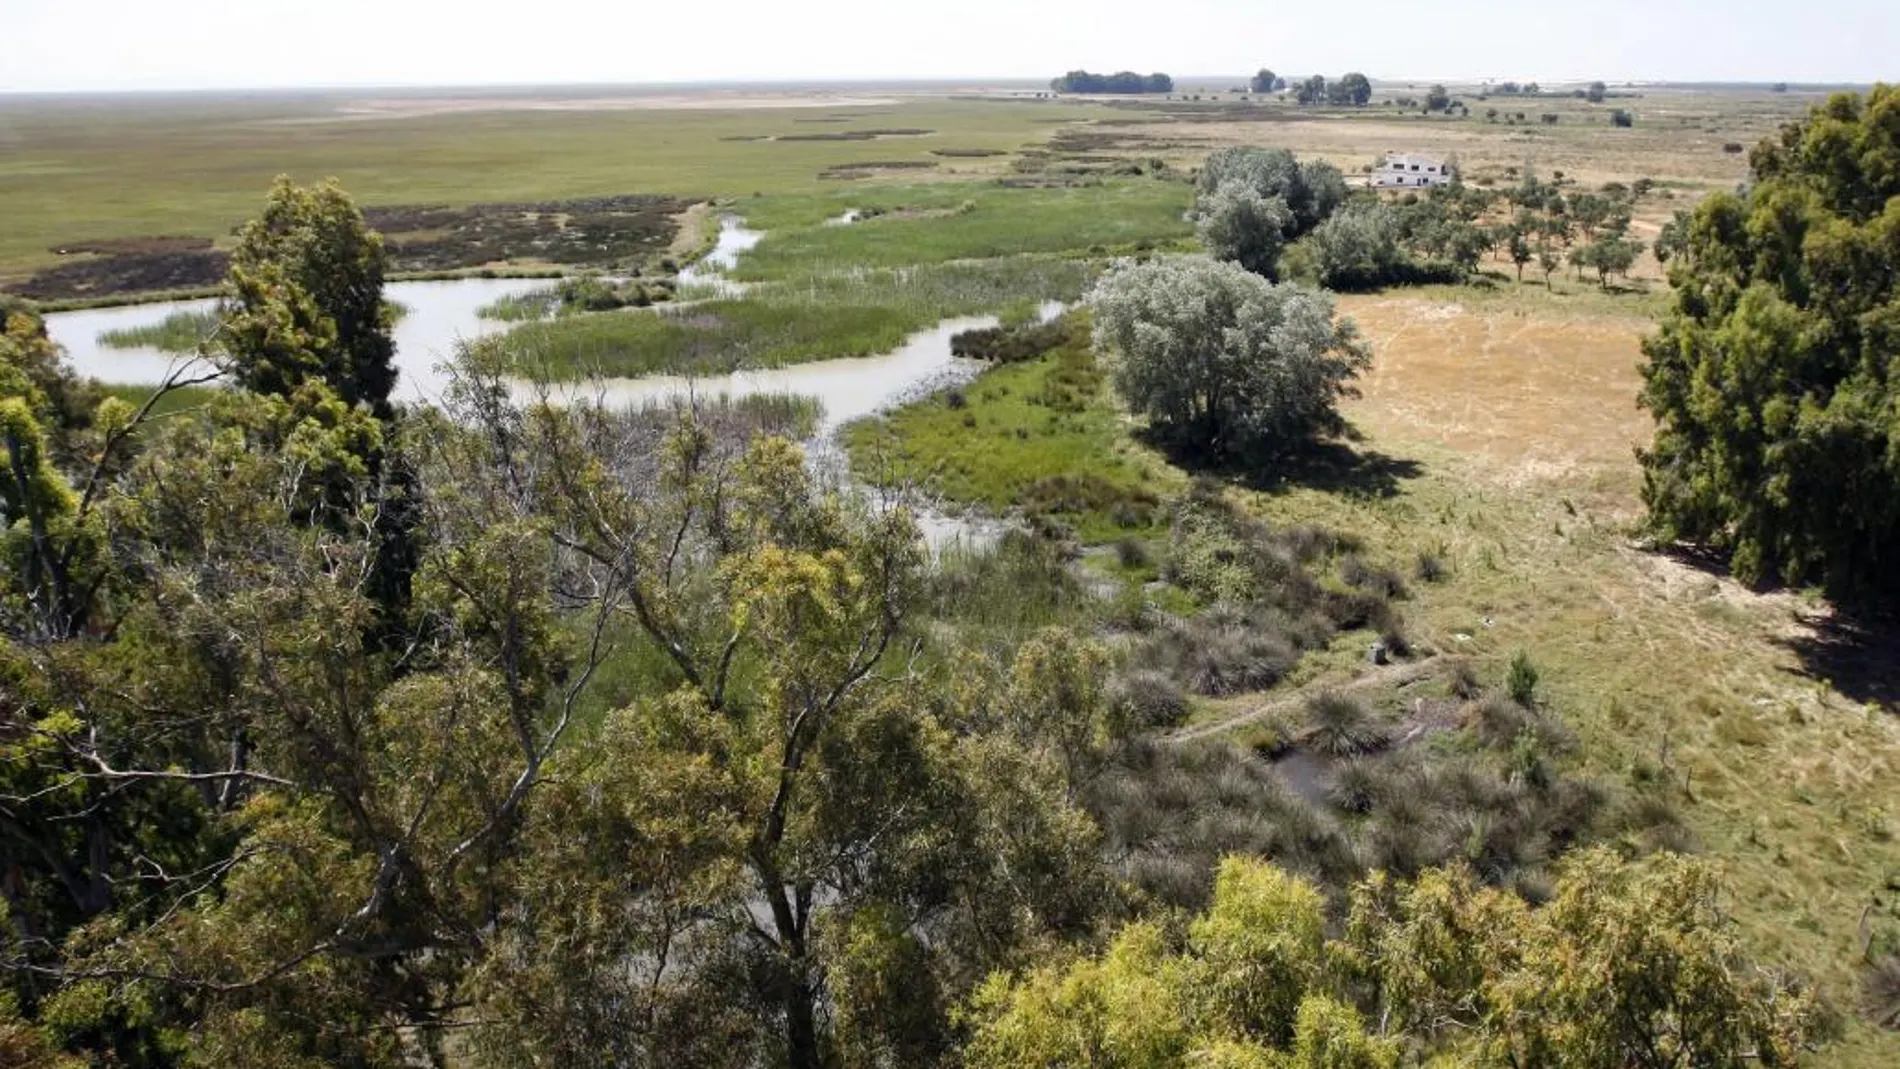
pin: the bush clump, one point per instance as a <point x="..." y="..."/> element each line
<point x="1342" y="726"/>
<point x="1012" y="344"/>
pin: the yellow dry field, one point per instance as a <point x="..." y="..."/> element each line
<point x="1512" y="422"/>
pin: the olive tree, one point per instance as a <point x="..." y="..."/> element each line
<point x="1222" y="359"/>
<point x="1358" y="248"/>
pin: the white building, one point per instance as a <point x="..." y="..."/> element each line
<point x="1406" y="170"/>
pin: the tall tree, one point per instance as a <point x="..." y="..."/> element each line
<point x="1771" y="380"/>
<point x="1265" y="81"/>
<point x="306" y="298"/>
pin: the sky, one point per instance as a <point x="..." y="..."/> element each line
<point x="89" y="45"/>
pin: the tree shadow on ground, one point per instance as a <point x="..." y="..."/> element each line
<point x="1854" y="651"/>
<point x="1858" y="654"/>
<point x="1334" y="467"/>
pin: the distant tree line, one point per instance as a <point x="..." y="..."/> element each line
<point x="1352" y="90"/>
<point x="1079" y="81"/>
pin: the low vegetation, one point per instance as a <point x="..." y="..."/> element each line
<point x="839" y="315"/>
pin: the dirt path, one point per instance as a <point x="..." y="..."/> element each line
<point x="1389" y="675"/>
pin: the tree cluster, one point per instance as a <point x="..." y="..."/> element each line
<point x="1252" y="202"/>
<point x="1352" y="90"/>
<point x="1121" y="82"/>
<point x="1770" y="380"/>
<point x="1266" y="82"/>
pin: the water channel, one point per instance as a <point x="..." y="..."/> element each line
<point x="443" y="313"/>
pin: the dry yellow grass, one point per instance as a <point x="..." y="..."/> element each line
<point x="1520" y="415"/>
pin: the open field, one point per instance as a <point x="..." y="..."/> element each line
<point x="89" y="169"/>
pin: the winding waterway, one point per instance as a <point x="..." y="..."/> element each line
<point x="443" y="313"/>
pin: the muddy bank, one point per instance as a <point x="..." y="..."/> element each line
<point x="629" y="233"/>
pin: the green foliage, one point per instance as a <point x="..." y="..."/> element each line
<point x="180" y="332"/>
<point x="1629" y="965"/>
<point x="1311" y="190"/>
<point x="1080" y="81"/>
<point x="1239" y="224"/>
<point x="1521" y="682"/>
<point x="857" y="314"/>
<point x="1264" y="82"/>
<point x="306" y="298"/>
<point x="1768" y="379"/>
<point x="1223" y="360"/>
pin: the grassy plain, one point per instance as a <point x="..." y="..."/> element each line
<point x="95" y="168"/>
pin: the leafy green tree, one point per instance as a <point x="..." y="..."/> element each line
<point x="1519" y="246"/>
<point x="1438" y="99"/>
<point x="1223" y="359"/>
<point x="1312" y="90"/>
<point x="1352" y="90"/>
<point x="1264" y="82"/>
<point x="1596" y="92"/>
<point x="1312" y="189"/>
<point x="306" y="299"/>
<point x="1768" y="379"/>
<point x="1236" y="222"/>
<point x="1358" y="248"/>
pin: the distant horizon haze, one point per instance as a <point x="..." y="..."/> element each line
<point x="356" y="45"/>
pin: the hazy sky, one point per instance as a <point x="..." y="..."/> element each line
<point x="183" y="44"/>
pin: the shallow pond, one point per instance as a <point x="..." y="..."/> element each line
<point x="440" y="314"/>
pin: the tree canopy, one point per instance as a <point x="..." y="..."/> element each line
<point x="1771" y="379"/>
<point x="306" y="298"/>
<point x="1223" y="359"/>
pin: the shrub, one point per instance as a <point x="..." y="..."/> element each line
<point x="1430" y="567"/>
<point x="1521" y="683"/>
<point x="1734" y="148"/>
<point x="1017" y="343"/>
<point x="1621" y="118"/>
<point x="1880" y="992"/>
<point x="1132" y="552"/>
<point x="1146" y="700"/>
<point x="1343" y="726"/>
<point x="1363" y="576"/>
<point x="1464" y="682"/>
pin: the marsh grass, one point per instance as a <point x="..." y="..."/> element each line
<point x="186" y="332"/>
<point x="858" y="313"/>
<point x="960" y="221"/>
<point x="180" y="332"/>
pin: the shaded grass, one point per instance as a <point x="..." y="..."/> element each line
<point x="1042" y="436"/>
<point x="859" y="313"/>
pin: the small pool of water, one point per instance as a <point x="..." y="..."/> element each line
<point x="440" y="314"/>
